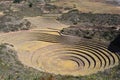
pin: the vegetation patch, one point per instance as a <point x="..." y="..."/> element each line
<point x="102" y="27"/>
<point x="90" y="19"/>
<point x="100" y="34"/>
<point x="10" y="23"/>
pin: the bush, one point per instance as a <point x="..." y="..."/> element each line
<point x="17" y="1"/>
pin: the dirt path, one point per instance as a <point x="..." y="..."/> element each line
<point x="44" y="49"/>
<point x="46" y="22"/>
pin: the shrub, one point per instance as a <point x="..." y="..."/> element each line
<point x="17" y="1"/>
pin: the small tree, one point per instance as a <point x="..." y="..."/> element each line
<point x="30" y="4"/>
<point x="17" y="1"/>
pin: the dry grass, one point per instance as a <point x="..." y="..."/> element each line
<point x="1" y="13"/>
<point x="89" y="6"/>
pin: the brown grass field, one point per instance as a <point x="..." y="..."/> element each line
<point x="89" y="6"/>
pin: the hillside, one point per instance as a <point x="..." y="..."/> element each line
<point x="112" y="2"/>
<point x="102" y="27"/>
<point x="95" y="6"/>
